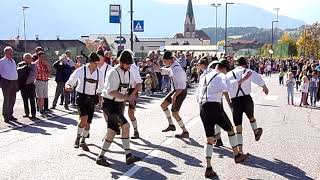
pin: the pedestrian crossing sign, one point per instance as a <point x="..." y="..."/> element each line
<point x="138" y="26"/>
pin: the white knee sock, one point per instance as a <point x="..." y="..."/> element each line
<point x="168" y="114"/>
<point x="126" y="145"/>
<point x="79" y="131"/>
<point x="208" y="150"/>
<point x="105" y="147"/>
<point x="254" y="125"/>
<point x="135" y="124"/>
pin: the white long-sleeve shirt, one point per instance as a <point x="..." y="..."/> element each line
<point x="233" y="85"/>
<point x="114" y="83"/>
<point x="211" y="87"/>
<point x="90" y="88"/>
<point x="178" y="75"/>
<point x="8" y="69"/>
<point x="135" y="76"/>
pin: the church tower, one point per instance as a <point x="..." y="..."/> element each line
<point x="190" y="23"/>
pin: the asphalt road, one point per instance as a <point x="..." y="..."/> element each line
<point x="289" y="147"/>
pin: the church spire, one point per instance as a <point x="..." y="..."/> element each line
<point x="190" y="10"/>
<point x="190" y="23"/>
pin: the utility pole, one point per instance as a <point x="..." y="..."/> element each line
<point x="24" y="27"/>
<point x="131" y="23"/>
<point x="226" y="29"/>
<point x="272" y="36"/>
<point x="216" y="29"/>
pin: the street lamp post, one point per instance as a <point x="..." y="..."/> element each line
<point x="272" y="35"/>
<point x="226" y="29"/>
<point x="131" y="23"/>
<point x="24" y="27"/>
<point x="216" y="29"/>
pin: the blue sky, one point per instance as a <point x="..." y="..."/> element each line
<point x="83" y="17"/>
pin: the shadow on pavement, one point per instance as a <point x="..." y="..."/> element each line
<point x="277" y="166"/>
<point x="123" y="167"/>
<point x="189" y="160"/>
<point x="191" y="142"/>
<point x="37" y="127"/>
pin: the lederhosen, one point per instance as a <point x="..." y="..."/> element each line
<point x="241" y="104"/>
<point x="212" y="113"/>
<point x="180" y="98"/>
<point x="86" y="103"/>
<point x="115" y="110"/>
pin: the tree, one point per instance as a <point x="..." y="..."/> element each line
<point x="308" y="41"/>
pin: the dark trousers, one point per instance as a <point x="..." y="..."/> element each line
<point x="60" y="92"/>
<point x="28" y="94"/>
<point x="46" y="103"/>
<point x="9" y="90"/>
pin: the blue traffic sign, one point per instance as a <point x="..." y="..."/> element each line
<point x="115" y="13"/>
<point x="138" y="26"/>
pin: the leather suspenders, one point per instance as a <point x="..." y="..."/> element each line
<point x="239" y="87"/>
<point x="85" y="80"/>
<point x="206" y="86"/>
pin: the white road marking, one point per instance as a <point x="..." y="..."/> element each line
<point x="153" y="153"/>
<point x="271" y="97"/>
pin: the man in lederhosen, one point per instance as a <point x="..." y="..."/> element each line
<point x="177" y="96"/>
<point x="209" y="94"/>
<point x="239" y="91"/>
<point x="90" y="85"/>
<point x="115" y="95"/>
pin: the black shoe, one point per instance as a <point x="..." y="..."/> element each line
<point x="47" y="110"/>
<point x="66" y="107"/>
<point x="130" y="159"/>
<point x="240" y="157"/>
<point x="258" y="133"/>
<point x="135" y="135"/>
<point x="218" y="143"/>
<point x="77" y="143"/>
<point x="25" y="116"/>
<point x="171" y="127"/>
<point x="210" y="173"/>
<point x="13" y="118"/>
<point x="182" y="135"/>
<point x="7" y="120"/>
<point x="84" y="147"/>
<point x="61" y="104"/>
<point x="53" y="107"/>
<point x="102" y="162"/>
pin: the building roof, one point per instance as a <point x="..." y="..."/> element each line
<point x="18" y="45"/>
<point x="202" y="35"/>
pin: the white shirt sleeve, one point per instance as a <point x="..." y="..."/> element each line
<point x="179" y="79"/>
<point x="223" y="85"/>
<point x="101" y="82"/>
<point x="74" y="78"/>
<point x="256" y="78"/>
<point x="113" y="81"/>
<point x="136" y="74"/>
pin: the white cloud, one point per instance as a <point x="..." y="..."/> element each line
<point x="304" y="10"/>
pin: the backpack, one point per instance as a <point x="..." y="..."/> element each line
<point x="23" y="73"/>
